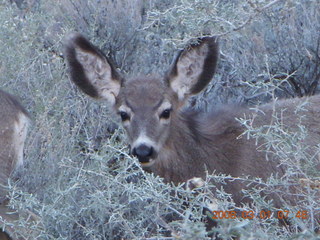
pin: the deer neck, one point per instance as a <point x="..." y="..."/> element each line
<point x="182" y="156"/>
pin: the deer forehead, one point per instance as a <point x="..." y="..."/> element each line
<point x="144" y="109"/>
<point x="145" y="94"/>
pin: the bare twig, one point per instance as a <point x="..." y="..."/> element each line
<point x="251" y="17"/>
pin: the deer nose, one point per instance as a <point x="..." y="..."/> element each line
<point x="143" y="152"/>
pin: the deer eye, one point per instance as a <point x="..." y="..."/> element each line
<point x="165" y="114"/>
<point x="124" y="116"/>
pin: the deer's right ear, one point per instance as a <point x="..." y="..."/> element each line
<point x="90" y="69"/>
<point x="194" y="67"/>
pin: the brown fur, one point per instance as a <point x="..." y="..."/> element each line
<point x="4" y="236"/>
<point x="10" y="109"/>
<point x="13" y="124"/>
<point x="186" y="143"/>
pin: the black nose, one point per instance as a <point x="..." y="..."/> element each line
<point x="143" y="152"/>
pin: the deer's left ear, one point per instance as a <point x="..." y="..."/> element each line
<point x="194" y="67"/>
<point x="91" y="70"/>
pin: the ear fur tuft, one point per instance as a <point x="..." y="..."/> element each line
<point x="194" y="67"/>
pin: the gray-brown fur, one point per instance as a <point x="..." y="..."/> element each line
<point x="4" y="236"/>
<point x="76" y="69"/>
<point x="10" y="115"/>
<point x="183" y="144"/>
<point x="209" y="67"/>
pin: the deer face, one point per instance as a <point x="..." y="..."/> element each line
<point x="148" y="107"/>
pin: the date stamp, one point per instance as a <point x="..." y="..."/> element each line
<point x="263" y="214"/>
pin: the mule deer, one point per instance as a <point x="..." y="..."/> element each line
<point x="13" y="129"/>
<point x="172" y="140"/>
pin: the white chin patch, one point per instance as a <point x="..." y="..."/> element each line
<point x="148" y="164"/>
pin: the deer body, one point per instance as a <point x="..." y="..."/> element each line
<point x="212" y="140"/>
<point x="13" y="128"/>
<point x="173" y="141"/>
<point x="14" y="121"/>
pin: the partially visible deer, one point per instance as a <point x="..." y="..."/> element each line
<point x="13" y="129"/>
<point x="174" y="141"/>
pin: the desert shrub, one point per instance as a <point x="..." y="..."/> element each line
<point x="78" y="178"/>
<point x="259" y="38"/>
